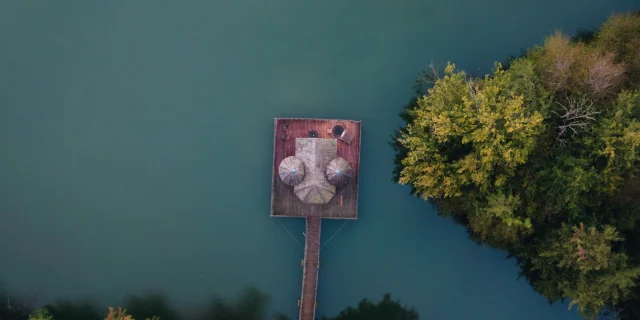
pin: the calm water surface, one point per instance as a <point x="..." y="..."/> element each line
<point x="136" y="142"/>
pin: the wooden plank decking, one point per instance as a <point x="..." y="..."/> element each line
<point x="310" y="271"/>
<point x="284" y="203"/>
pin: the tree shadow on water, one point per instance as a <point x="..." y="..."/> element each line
<point x="75" y="310"/>
<point x="400" y="150"/>
<point x="149" y="305"/>
<point x="250" y="305"/>
<point x="14" y="306"/>
<point x="386" y="309"/>
<point x="137" y="306"/>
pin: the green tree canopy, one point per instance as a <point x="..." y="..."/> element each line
<point x="41" y="314"/>
<point x="470" y="134"/>
<point x="541" y="160"/>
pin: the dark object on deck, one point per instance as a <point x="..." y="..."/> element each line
<point x="336" y="131"/>
<point x="312" y="134"/>
<point x="291" y="170"/>
<point x="339" y="132"/>
<point x="339" y="172"/>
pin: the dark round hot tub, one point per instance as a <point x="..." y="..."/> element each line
<point x="336" y="131"/>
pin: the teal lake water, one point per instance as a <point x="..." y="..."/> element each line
<point x="136" y="145"/>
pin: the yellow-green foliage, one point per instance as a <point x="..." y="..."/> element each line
<point x="467" y="133"/>
<point x="41" y="314"/>
<point x="620" y="140"/>
<point x="474" y="134"/>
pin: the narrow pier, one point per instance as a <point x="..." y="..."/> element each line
<point x="310" y="271"/>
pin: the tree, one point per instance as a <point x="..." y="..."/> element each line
<point x="576" y="115"/>
<point x="558" y="62"/>
<point x="577" y="68"/>
<point x="118" y="314"/>
<point x="619" y="146"/>
<point x="581" y="264"/>
<point x="41" y="314"/>
<point x="386" y="309"/>
<point x="469" y="133"/>
<point x="621" y="36"/>
<point x="604" y="76"/>
<point x="468" y="138"/>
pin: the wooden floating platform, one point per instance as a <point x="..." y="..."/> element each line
<point x="284" y="202"/>
<point x="312" y="166"/>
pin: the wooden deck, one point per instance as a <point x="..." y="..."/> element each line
<point x="311" y="264"/>
<point x="284" y="203"/>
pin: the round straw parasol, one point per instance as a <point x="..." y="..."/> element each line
<point x="291" y="170"/>
<point x="339" y="172"/>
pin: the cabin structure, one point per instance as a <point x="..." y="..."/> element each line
<point x="315" y="176"/>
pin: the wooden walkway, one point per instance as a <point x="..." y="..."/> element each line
<point x="311" y="264"/>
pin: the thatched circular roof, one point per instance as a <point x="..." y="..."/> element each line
<point x="339" y="172"/>
<point x="315" y="192"/>
<point x="291" y="170"/>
